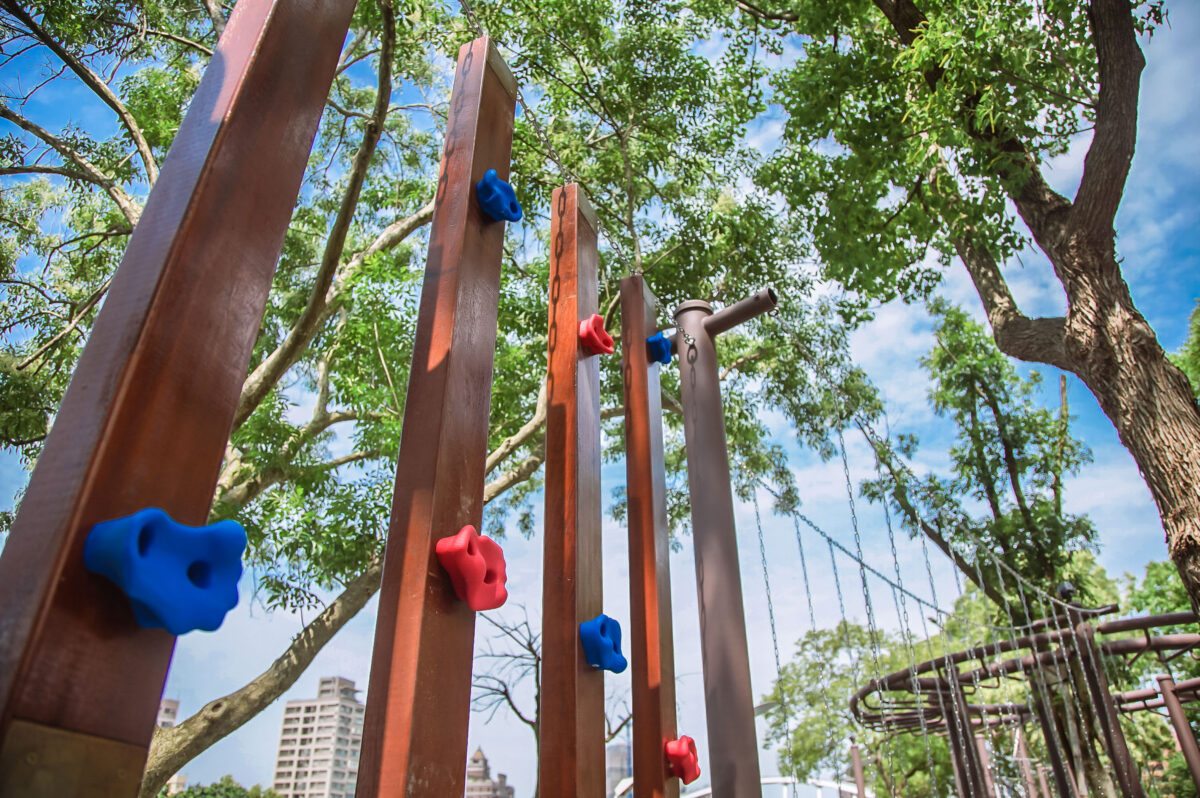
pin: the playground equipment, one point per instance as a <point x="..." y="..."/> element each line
<point x="146" y="418"/>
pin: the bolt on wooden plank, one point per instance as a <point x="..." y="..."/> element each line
<point x="571" y="739"/>
<point x="149" y="409"/>
<point x="652" y="651"/>
<point x="418" y="704"/>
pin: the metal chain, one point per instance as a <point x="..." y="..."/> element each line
<point x="783" y="702"/>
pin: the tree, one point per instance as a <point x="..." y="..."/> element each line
<point x="227" y="788"/>
<point x="913" y="127"/>
<point x="1009" y="455"/>
<point x="652" y="129"/>
<point x="515" y="662"/>
<point x="1188" y="358"/>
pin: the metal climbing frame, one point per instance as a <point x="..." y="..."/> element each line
<point x="146" y="418"/>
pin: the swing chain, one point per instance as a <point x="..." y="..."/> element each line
<point x="687" y="337"/>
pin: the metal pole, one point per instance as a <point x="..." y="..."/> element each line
<point x="860" y="781"/>
<point x="652" y="653"/>
<point x="1064" y="781"/>
<point x="1023" y="761"/>
<point x="962" y="742"/>
<point x="1183" y="730"/>
<point x="571" y="735"/>
<point x="985" y="767"/>
<point x="146" y="418"/>
<point x="729" y="701"/>
<point x="1124" y="769"/>
<point x="1042" y="783"/>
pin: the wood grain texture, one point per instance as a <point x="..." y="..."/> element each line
<point x="571" y="749"/>
<point x="652" y="648"/>
<point x="149" y="408"/>
<point x="415" y="735"/>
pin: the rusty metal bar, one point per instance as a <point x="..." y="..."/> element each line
<point x="856" y="765"/>
<point x="1124" y="768"/>
<point x="963" y="752"/>
<point x="729" y="702"/>
<point x="1042" y="783"/>
<point x="571" y="736"/>
<point x="1023" y="761"/>
<point x="985" y="767"/>
<point x="415" y="734"/>
<point x="1060" y="768"/>
<point x="148" y="412"/>
<point x="1183" y="730"/>
<point x="652" y="652"/>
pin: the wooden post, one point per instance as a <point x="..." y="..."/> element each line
<point x="652" y="650"/>
<point x="148" y="412"/>
<point x="728" y="699"/>
<point x="571" y="737"/>
<point x="415" y="732"/>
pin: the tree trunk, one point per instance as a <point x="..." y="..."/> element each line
<point x="1114" y="351"/>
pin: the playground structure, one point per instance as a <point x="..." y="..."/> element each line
<point x="145" y="420"/>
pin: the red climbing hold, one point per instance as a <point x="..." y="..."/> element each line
<point x="476" y="568"/>
<point x="594" y="337"/>
<point x="682" y="759"/>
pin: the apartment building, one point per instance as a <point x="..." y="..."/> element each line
<point x="319" y="743"/>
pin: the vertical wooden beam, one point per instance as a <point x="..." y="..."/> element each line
<point x="652" y="649"/>
<point x="149" y="409"/>
<point x="418" y="706"/>
<point x="571" y="737"/>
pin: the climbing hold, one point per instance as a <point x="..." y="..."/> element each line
<point x="658" y="348"/>
<point x="682" y="760"/>
<point x="179" y="578"/>
<point x="601" y="639"/>
<point x="594" y="337"/>
<point x="476" y="567"/>
<point x="497" y="197"/>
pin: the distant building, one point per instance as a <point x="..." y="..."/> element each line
<point x="168" y="713"/>
<point x="618" y="764"/>
<point x="319" y="743"/>
<point x="168" y="716"/>
<point x="479" y="779"/>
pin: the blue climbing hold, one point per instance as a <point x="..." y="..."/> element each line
<point x="179" y="578"/>
<point x="498" y="199"/>
<point x="658" y="348"/>
<point x="601" y="639"/>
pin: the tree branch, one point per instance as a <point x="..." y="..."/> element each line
<point x="129" y="208"/>
<point x="213" y="7"/>
<point x="1106" y="166"/>
<point x="93" y="82"/>
<point x="1041" y="340"/>
<point x="173" y="748"/>
<point x="523" y="435"/>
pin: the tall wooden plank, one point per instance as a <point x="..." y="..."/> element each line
<point x="571" y="738"/>
<point x="149" y="409"/>
<point x="652" y="650"/>
<point x="418" y="704"/>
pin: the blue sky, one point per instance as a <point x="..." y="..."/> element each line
<point x="1162" y="264"/>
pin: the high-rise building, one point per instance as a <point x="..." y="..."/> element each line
<point x="319" y="743"/>
<point x="479" y="779"/>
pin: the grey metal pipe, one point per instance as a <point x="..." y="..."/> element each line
<point x="729" y="701"/>
<point x="752" y="306"/>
